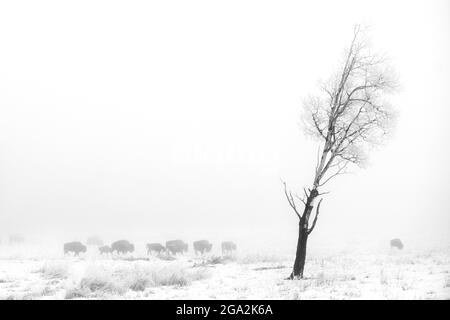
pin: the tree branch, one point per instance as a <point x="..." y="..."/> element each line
<point x="315" y="218"/>
<point x="338" y="172"/>
<point x="290" y="200"/>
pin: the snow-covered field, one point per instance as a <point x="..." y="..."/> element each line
<point x="29" y="272"/>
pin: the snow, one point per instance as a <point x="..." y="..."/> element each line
<point x="30" y="272"/>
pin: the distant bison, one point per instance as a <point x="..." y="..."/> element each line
<point x="155" y="247"/>
<point x="16" y="238"/>
<point x="176" y="246"/>
<point x="94" y="241"/>
<point x="74" y="247"/>
<point x="122" y="246"/>
<point x="105" y="249"/>
<point x="228" y="247"/>
<point x="202" y="246"/>
<point x="397" y="243"/>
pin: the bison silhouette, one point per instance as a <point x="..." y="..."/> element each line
<point x="16" y="239"/>
<point x="397" y="243"/>
<point x="122" y="246"/>
<point x="176" y="246"/>
<point x="155" y="247"/>
<point x="74" y="247"/>
<point x="228" y="247"/>
<point x="202" y="246"/>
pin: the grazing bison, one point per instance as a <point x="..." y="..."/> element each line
<point x="122" y="246"/>
<point x="228" y="247"/>
<point x="16" y="238"/>
<point x="105" y="249"/>
<point x="397" y="243"/>
<point x="155" y="247"/>
<point x="176" y="246"/>
<point x="75" y="247"/>
<point x="94" y="241"/>
<point x="202" y="246"/>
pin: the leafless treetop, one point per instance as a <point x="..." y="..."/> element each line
<point x="351" y="113"/>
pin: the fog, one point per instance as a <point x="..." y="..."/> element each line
<point x="177" y="119"/>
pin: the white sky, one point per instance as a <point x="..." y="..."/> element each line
<point x="178" y="119"/>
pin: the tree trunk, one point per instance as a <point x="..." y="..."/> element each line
<point x="300" y="255"/>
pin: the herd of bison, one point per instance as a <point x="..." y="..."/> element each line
<point x="124" y="246"/>
<point x="172" y="247"/>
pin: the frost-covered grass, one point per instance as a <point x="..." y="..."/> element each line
<point x="55" y="270"/>
<point x="94" y="284"/>
<point x="214" y="260"/>
<point x="259" y="258"/>
<point x="102" y="281"/>
<point x="447" y="283"/>
<point x="345" y="275"/>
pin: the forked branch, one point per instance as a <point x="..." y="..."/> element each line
<point x="291" y="200"/>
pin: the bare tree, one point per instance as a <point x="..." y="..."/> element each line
<point x="348" y="117"/>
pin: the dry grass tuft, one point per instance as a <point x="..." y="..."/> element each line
<point x="136" y="278"/>
<point x="447" y="282"/>
<point x="54" y="270"/>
